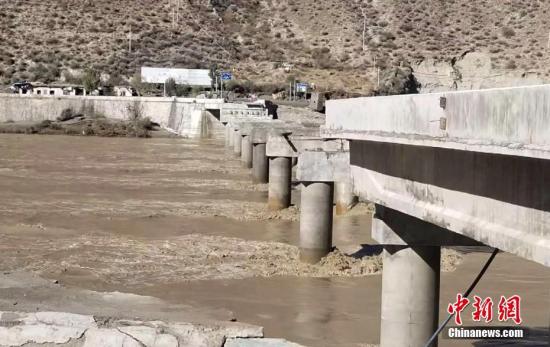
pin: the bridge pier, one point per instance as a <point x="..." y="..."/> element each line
<point x="228" y="134"/>
<point x="410" y="295"/>
<point x="344" y="197"/>
<point x="280" y="179"/>
<point x="410" y="280"/>
<point x="246" y="151"/>
<point x="237" y="143"/>
<point x="260" y="164"/>
<point x="316" y="210"/>
<point x="231" y="135"/>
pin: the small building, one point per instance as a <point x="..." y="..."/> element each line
<point x="22" y="87"/>
<point x="47" y="90"/>
<point x="57" y="90"/>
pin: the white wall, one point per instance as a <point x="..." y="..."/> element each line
<point x="183" y="115"/>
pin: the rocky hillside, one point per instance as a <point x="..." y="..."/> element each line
<point x="47" y="40"/>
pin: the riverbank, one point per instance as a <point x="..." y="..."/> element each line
<point x="81" y="125"/>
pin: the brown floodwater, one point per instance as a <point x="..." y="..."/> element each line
<point x="180" y="220"/>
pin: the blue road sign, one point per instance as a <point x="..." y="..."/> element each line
<point x="226" y="76"/>
<point x="302" y="87"/>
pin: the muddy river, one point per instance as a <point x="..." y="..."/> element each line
<point x="180" y="221"/>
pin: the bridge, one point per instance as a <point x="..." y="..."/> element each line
<point x="446" y="169"/>
<point x="449" y="169"/>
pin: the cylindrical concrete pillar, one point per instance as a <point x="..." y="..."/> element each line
<point x="344" y="197"/>
<point x="228" y="134"/>
<point x="316" y="220"/>
<point x="410" y="295"/>
<point x="280" y="179"/>
<point x="231" y="136"/>
<point x="237" y="143"/>
<point x="246" y="151"/>
<point x="260" y="164"/>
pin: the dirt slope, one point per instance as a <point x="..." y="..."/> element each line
<point x="322" y="39"/>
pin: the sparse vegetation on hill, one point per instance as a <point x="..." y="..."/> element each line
<point x="48" y="40"/>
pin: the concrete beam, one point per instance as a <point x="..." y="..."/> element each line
<point x="260" y="135"/>
<point x="247" y="126"/>
<point x="391" y="227"/>
<point x="257" y="130"/>
<point x="291" y="145"/>
<point x="329" y="167"/>
<point x="509" y="121"/>
<point x="280" y="146"/>
<point x="323" y="166"/>
<point x="497" y="200"/>
<point x="232" y="111"/>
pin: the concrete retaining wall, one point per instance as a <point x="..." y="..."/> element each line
<point x="187" y="117"/>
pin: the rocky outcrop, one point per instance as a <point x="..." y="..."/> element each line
<point x="472" y="70"/>
<point x="18" y="329"/>
<point x="68" y="329"/>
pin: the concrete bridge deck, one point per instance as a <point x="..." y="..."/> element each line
<point x="475" y="162"/>
<point x="512" y="121"/>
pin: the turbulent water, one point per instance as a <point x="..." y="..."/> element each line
<point x="180" y="220"/>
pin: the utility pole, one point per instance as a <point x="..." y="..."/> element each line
<point x="177" y="12"/>
<point x="290" y="91"/>
<point x="172" y="5"/>
<point x="364" y="26"/>
<point x="377" y="71"/>
<point x="130" y="40"/>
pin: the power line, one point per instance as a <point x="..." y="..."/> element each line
<point x="466" y="294"/>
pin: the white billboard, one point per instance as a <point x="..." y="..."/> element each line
<point x="191" y="77"/>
